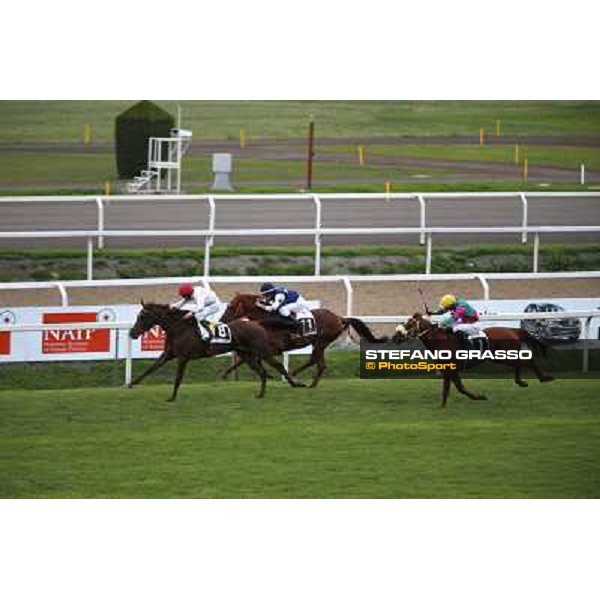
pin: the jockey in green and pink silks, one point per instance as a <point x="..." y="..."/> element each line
<point x="462" y="318"/>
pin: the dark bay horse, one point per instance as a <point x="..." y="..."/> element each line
<point x="329" y="327"/>
<point x="499" y="338"/>
<point x="183" y="341"/>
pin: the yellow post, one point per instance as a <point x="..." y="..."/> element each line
<point x="242" y="138"/>
<point x="525" y="170"/>
<point x="481" y="136"/>
<point x="361" y="155"/>
<point x="388" y="190"/>
<point x="516" y="154"/>
<point x="497" y="127"/>
<point x="107" y="188"/>
<point x="87" y="133"/>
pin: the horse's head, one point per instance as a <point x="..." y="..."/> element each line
<point x="416" y="327"/>
<point x="148" y="317"/>
<point x="241" y="305"/>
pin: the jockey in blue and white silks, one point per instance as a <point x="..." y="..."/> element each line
<point x="287" y="303"/>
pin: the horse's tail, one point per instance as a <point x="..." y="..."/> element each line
<point x="536" y="344"/>
<point x="362" y="329"/>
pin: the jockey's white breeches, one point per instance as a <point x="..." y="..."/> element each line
<point x="468" y="328"/>
<point x="204" y="315"/>
<point x="208" y="311"/>
<point x="294" y="307"/>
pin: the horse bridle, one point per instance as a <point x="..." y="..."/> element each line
<point x="414" y="335"/>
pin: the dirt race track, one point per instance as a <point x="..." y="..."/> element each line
<point x="157" y="213"/>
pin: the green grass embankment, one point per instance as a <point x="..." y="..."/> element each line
<point x="36" y="265"/>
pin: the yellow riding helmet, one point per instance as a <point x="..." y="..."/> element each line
<point x="447" y="301"/>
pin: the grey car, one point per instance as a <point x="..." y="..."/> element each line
<point x="566" y="329"/>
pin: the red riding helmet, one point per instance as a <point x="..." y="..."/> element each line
<point x="186" y="289"/>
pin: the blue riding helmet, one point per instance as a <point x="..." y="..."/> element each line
<point x="266" y="288"/>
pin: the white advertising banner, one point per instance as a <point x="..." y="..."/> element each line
<point x="545" y="305"/>
<point x="72" y="344"/>
<point x="78" y="344"/>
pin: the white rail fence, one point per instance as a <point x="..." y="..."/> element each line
<point x="347" y="281"/>
<point x="586" y="316"/>
<point x="208" y="234"/>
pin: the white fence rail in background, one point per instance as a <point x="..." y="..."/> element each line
<point x="587" y="316"/>
<point x="428" y="232"/>
<point x="483" y="279"/>
<point x="209" y="233"/>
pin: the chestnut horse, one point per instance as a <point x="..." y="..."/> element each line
<point x="329" y="327"/>
<point x="183" y="341"/>
<point x="499" y="338"/>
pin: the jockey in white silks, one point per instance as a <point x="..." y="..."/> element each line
<point x="200" y="302"/>
<point x="285" y="302"/>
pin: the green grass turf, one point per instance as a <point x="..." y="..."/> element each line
<point x="92" y="170"/>
<point x="86" y="172"/>
<point x="64" y="120"/>
<point x="348" y="438"/>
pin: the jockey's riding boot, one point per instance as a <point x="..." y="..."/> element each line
<point x="464" y="339"/>
<point x="207" y="331"/>
<point x="293" y="325"/>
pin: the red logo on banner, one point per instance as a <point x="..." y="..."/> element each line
<point x="57" y="341"/>
<point x="153" y="340"/>
<point x="4" y="342"/>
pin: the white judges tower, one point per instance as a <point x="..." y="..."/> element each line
<point x="163" y="173"/>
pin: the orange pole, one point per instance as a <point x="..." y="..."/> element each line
<point x="361" y="155"/>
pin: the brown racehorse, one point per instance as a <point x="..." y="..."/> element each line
<point x="183" y="341"/>
<point x="329" y="327"/>
<point x="499" y="338"/>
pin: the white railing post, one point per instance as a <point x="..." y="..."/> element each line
<point x="582" y="174"/>
<point x="90" y="258"/>
<point x="100" y="222"/>
<point x="524" y="216"/>
<point x="536" y="252"/>
<point x="317" y="202"/>
<point x="349" y="296"/>
<point x="128" y="360"/>
<point x="421" y="218"/>
<point x="428" y="253"/>
<point x="64" y="298"/>
<point x="210" y="238"/>
<point x="484" y="285"/>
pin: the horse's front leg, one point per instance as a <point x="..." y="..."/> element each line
<point x="165" y="357"/>
<point x="181" y="364"/>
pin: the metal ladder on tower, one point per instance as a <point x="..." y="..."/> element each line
<point x="150" y="178"/>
